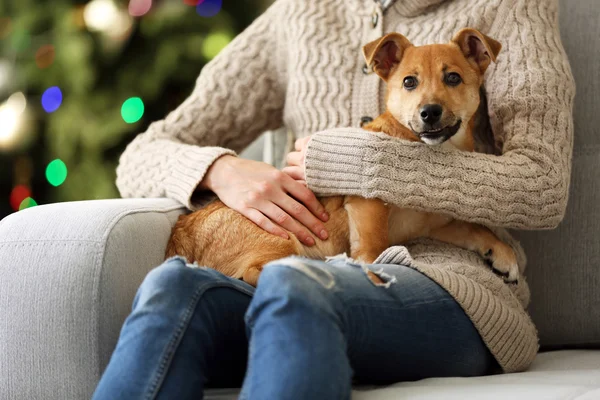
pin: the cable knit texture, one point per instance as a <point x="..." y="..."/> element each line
<point x="299" y="65"/>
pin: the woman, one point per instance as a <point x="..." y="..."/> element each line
<point x="312" y="328"/>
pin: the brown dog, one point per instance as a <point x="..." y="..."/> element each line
<point x="432" y="96"/>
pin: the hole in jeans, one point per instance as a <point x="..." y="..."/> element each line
<point x="324" y="277"/>
<point x="379" y="277"/>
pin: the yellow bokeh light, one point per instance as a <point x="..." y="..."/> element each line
<point x="214" y="43"/>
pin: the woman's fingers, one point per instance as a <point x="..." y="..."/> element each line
<point x="283" y="219"/>
<point x="263" y="222"/>
<point x="294" y="159"/>
<point x="301" y="143"/>
<point x="306" y="216"/>
<point x="303" y="194"/>
<point x="296" y="173"/>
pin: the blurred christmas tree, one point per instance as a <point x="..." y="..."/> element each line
<point x="79" y="79"/>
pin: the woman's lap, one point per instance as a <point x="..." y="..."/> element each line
<point x="405" y="329"/>
<point x="187" y="319"/>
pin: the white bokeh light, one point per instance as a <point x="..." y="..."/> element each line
<point x="10" y="115"/>
<point x="104" y="16"/>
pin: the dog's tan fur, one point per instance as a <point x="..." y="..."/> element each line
<point x="221" y="238"/>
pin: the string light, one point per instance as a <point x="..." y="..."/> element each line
<point x="44" y="57"/>
<point x="214" y="43"/>
<point x="138" y="8"/>
<point x="209" y="8"/>
<point x="56" y="172"/>
<point x="104" y="16"/>
<point x="52" y="99"/>
<point x="26" y="203"/>
<point x="132" y="110"/>
<point x="10" y="113"/>
<point x="17" y="195"/>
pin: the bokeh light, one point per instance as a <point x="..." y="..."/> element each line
<point x="17" y="102"/>
<point x="193" y="3"/>
<point x="214" y="43"/>
<point x="56" y="172"/>
<point x="26" y="203"/>
<point x="209" y="8"/>
<point x="106" y="17"/>
<point x="10" y="113"/>
<point x="138" y="8"/>
<point x="17" y="195"/>
<point x="132" y="110"/>
<point x="20" y="40"/>
<point x="52" y="99"/>
<point x="44" y="57"/>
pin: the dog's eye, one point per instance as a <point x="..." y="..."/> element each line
<point x="453" y="79"/>
<point x="410" y="82"/>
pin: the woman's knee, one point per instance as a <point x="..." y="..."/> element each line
<point x="295" y="283"/>
<point x="171" y="277"/>
<point x="169" y="274"/>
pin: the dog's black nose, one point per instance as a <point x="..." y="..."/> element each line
<point x="431" y="113"/>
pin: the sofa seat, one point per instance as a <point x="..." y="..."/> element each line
<point x="555" y="375"/>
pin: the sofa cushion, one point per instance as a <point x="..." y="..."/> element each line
<point x="556" y="375"/>
<point x="563" y="264"/>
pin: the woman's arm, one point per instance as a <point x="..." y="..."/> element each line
<point x="530" y="95"/>
<point x="238" y="95"/>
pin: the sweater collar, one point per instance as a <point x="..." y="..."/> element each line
<point x="408" y="8"/>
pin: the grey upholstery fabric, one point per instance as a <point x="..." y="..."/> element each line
<point x="68" y="273"/>
<point x="564" y="264"/>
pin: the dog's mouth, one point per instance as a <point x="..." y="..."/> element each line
<point x="437" y="135"/>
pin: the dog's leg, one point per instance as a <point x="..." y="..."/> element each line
<point x="255" y="262"/>
<point x="252" y="273"/>
<point x="368" y="223"/>
<point x="480" y="239"/>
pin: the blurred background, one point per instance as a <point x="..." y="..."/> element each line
<point x="79" y="79"/>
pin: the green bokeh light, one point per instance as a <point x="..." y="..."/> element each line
<point x="56" y="172"/>
<point x="214" y="43"/>
<point x="21" y="40"/>
<point x="26" y="203"/>
<point x="132" y="110"/>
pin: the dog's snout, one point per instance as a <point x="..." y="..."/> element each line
<point x="431" y="113"/>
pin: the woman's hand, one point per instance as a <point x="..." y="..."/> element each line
<point x="295" y="160"/>
<point x="268" y="197"/>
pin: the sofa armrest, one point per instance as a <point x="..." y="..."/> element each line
<point x="68" y="274"/>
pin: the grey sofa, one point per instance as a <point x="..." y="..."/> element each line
<point x="68" y="273"/>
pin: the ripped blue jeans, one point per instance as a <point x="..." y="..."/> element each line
<point x="309" y="331"/>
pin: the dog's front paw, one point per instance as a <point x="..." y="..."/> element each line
<point x="503" y="261"/>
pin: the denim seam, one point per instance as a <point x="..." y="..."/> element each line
<point x="171" y="347"/>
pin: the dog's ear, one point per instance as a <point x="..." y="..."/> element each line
<point x="477" y="47"/>
<point x="385" y="53"/>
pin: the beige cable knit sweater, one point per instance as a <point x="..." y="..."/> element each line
<point x="300" y="65"/>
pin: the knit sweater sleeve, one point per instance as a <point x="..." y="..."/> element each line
<point x="530" y="95"/>
<point x="238" y="95"/>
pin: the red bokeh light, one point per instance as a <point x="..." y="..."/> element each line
<point x="18" y="194"/>
<point x="44" y="57"/>
<point x="193" y="3"/>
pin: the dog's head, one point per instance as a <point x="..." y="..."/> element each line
<point x="433" y="90"/>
